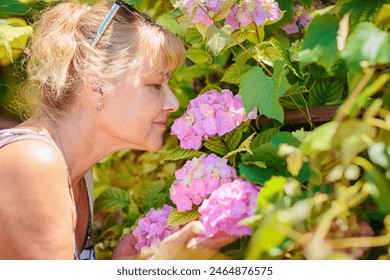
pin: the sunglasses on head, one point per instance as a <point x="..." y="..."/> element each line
<point x="107" y="20"/>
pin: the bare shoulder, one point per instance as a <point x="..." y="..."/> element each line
<point x="35" y="202"/>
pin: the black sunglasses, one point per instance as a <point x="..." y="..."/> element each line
<point x="107" y="20"/>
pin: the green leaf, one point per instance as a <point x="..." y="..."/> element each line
<point x="367" y="45"/>
<point x="179" y="153"/>
<point x="112" y="199"/>
<point x="383" y="15"/>
<point x="307" y="3"/>
<point x="177" y="218"/>
<point x="193" y="71"/>
<point x="256" y="174"/>
<point x="193" y="36"/>
<point x="13" y="39"/>
<point x="259" y="90"/>
<point x="197" y="55"/>
<point x="358" y="103"/>
<point x="320" y="139"/>
<point x="234" y="73"/>
<point x="285" y="55"/>
<point x="274" y="187"/>
<point x="360" y="10"/>
<point x="5" y="48"/>
<point x="266" y="154"/>
<point x="233" y="138"/>
<point x="244" y="147"/>
<point x="215" y="145"/>
<point x="320" y="45"/>
<point x="380" y="190"/>
<point x="325" y="92"/>
<point x="284" y="138"/>
<point x="216" y="39"/>
<point x="266" y="237"/>
<point x="264" y="137"/>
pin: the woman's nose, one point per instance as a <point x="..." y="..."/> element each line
<point x="171" y="103"/>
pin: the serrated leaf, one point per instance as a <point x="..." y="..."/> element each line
<point x="112" y="199"/>
<point x="360" y="10"/>
<point x="261" y="91"/>
<point x="325" y="92"/>
<point x="264" y="137"/>
<point x="217" y="39"/>
<point x="234" y="73"/>
<point x="179" y="153"/>
<point x="198" y="55"/>
<point x="215" y="145"/>
<point x="177" y="218"/>
<point x="13" y="39"/>
<point x="244" y="147"/>
<point x="320" y="43"/>
<point x="260" y="164"/>
<point x="367" y="44"/>
<point x="233" y="138"/>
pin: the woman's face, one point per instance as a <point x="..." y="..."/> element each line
<point x="138" y="109"/>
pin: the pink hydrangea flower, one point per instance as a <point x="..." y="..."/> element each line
<point x="227" y="206"/>
<point x="153" y="228"/>
<point x="210" y="114"/>
<point x="198" y="178"/>
<point x="248" y="11"/>
<point x="301" y="17"/>
<point x="244" y="12"/>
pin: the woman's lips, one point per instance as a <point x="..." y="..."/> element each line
<point x="162" y="124"/>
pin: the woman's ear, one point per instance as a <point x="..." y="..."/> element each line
<point x="94" y="94"/>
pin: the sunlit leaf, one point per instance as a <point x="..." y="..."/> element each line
<point x="112" y="199"/>
<point x="217" y="39"/>
<point x="215" y="145"/>
<point x="198" y="55"/>
<point x="367" y="45"/>
<point x="177" y="218"/>
<point x="179" y="153"/>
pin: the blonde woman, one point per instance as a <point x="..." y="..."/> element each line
<point x="102" y="75"/>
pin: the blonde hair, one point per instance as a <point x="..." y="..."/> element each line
<point x="60" y="51"/>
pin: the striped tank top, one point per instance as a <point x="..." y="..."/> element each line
<point x="8" y="136"/>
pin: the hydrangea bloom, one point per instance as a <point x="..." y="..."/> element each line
<point x="243" y="12"/>
<point x="257" y="11"/>
<point x="209" y="114"/>
<point x="198" y="178"/>
<point x="152" y="228"/>
<point x="228" y="205"/>
<point x="301" y="16"/>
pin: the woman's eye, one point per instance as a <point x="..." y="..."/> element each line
<point x="156" y="87"/>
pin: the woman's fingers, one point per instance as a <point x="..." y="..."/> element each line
<point x="125" y="248"/>
<point x="189" y="231"/>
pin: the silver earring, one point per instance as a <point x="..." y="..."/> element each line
<point x="99" y="106"/>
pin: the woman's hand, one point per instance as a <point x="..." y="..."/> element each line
<point x="185" y="244"/>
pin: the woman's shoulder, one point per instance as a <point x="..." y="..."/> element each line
<point x="34" y="156"/>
